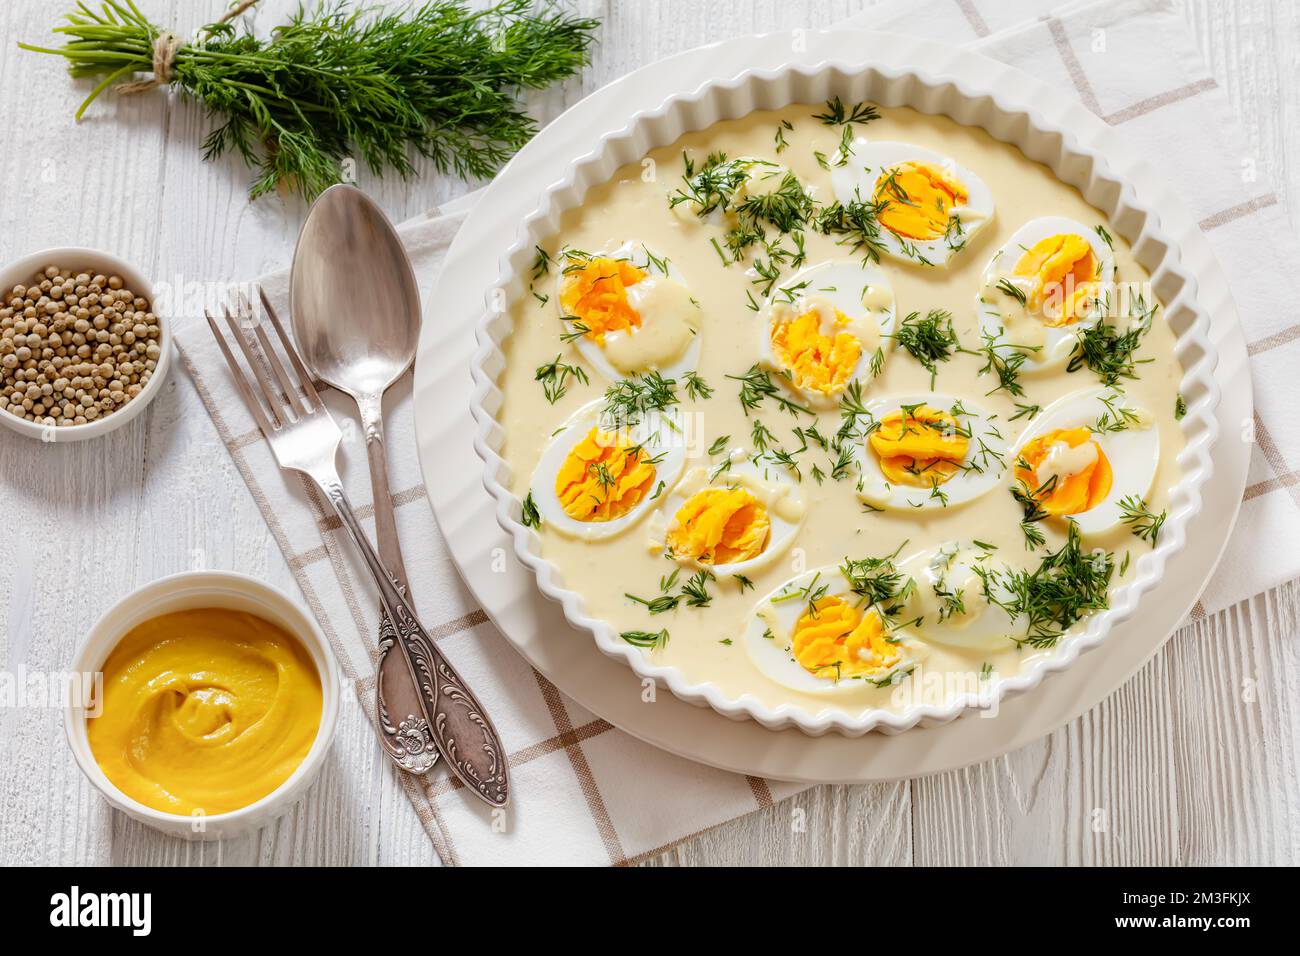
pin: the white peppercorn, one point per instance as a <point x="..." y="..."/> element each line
<point x="74" y="347"/>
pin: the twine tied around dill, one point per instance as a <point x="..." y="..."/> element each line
<point x="165" y="47"/>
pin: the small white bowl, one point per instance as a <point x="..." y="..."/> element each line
<point x="22" y="271"/>
<point x="185" y="591"/>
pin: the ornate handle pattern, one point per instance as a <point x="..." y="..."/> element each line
<point x="461" y="730"/>
<point x="408" y="739"/>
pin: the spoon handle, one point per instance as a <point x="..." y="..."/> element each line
<point x="406" y="736"/>
<point x="389" y="546"/>
<point x="463" y="732"/>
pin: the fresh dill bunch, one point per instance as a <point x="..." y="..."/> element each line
<point x="438" y="80"/>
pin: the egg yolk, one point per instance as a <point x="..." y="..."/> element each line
<point x="595" y="294"/>
<point x="816" y="362"/>
<point x="922" y="447"/>
<point x="720" y="526"/>
<point x="603" y="478"/>
<point x="1064" y="271"/>
<point x="1072" y="493"/>
<point x="834" y="639"/>
<point x="919" y="200"/>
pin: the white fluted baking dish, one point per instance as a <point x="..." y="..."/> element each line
<point x="1022" y="124"/>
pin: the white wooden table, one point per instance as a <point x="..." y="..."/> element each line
<point x="1194" y="761"/>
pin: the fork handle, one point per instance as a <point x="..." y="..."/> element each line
<point x="462" y="731"/>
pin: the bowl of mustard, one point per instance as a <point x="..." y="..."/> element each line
<point x="214" y="703"/>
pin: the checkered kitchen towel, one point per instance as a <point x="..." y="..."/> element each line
<point x="576" y="778"/>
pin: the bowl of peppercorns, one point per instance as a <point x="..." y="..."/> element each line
<point x="82" y="349"/>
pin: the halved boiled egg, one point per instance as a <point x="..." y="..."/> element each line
<point x="927" y="206"/>
<point x="1052" y="279"/>
<point x="730" y="519"/>
<point x="1084" y="454"/>
<point x="595" y="482"/>
<point x="828" y="326"/>
<point x="958" y="595"/>
<point x="629" y="311"/>
<point x="928" y="451"/>
<point x="817" y="635"/>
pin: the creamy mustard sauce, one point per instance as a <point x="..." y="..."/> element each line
<point x="705" y="643"/>
<point x="205" y="710"/>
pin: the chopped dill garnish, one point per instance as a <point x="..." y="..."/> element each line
<point x="695" y="386"/>
<point x="1066" y="585"/>
<point x="781" y="130"/>
<point x="856" y="223"/>
<point x="928" y="340"/>
<point x="627" y="401"/>
<point x="555" y="376"/>
<point x="648" y="639"/>
<point x="1180" y="407"/>
<point x="1141" y="520"/>
<point x="878" y="580"/>
<point x="541" y="264"/>
<point x="756" y="385"/>
<point x="1007" y="287"/>
<point x="1005" y="362"/>
<point x="719" y="445"/>
<point x="695" y="590"/>
<point x="531" y="517"/>
<point x="658" y="605"/>
<point x="837" y="113"/>
<point x="1109" y="352"/>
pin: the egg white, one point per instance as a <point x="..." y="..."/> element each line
<point x="655" y="265"/>
<point x="773" y="655"/>
<point x="868" y="162"/>
<point x="1134" y="452"/>
<point x="990" y="303"/>
<point x="983" y="624"/>
<point x="861" y="291"/>
<point x="985" y="471"/>
<point x="659" y="436"/>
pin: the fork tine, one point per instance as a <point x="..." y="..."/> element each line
<point x="290" y="392"/>
<point x="274" y="405"/>
<point x="303" y="375"/>
<point x="241" y="380"/>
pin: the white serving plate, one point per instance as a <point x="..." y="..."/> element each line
<point x="1008" y="115"/>
<point x="537" y="628"/>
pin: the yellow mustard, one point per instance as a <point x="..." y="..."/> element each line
<point x="205" y="710"/>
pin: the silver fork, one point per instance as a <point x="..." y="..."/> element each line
<point x="305" y="438"/>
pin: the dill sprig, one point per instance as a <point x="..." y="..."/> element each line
<point x="856" y="223"/>
<point x="1140" y="519"/>
<point x="928" y="339"/>
<point x="652" y="640"/>
<point x="756" y="385"/>
<point x="531" y="516"/>
<point x="555" y="375"/>
<point x="438" y="80"/>
<point x="1066" y="585"/>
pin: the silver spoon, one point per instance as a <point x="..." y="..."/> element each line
<point x="355" y="309"/>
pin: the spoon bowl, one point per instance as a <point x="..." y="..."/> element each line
<point x="355" y="305"/>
